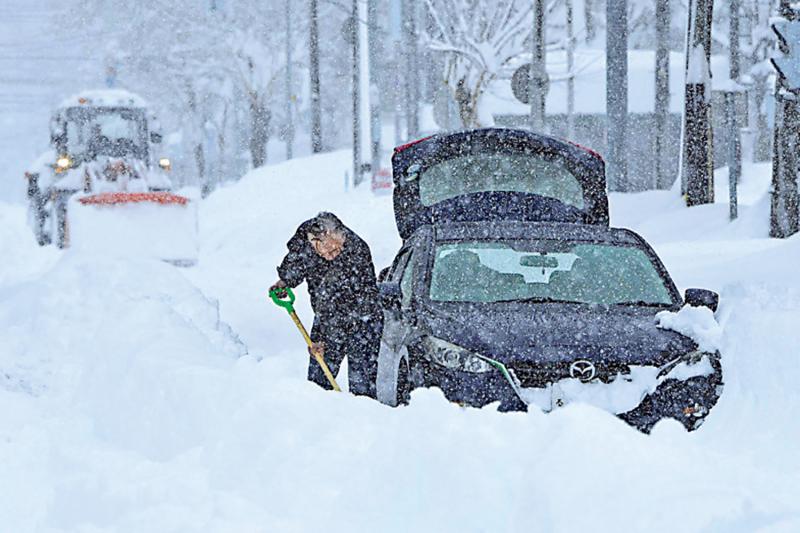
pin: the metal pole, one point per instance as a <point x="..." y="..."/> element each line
<point x="617" y="93"/>
<point x="364" y="93"/>
<point x="785" y="204"/>
<point x="698" y="160"/>
<point x="313" y="47"/>
<point x="289" y="97"/>
<point x="538" y="71"/>
<point x="411" y="72"/>
<point x="375" y="116"/>
<point x="570" y="71"/>
<point x="733" y="39"/>
<point x="734" y="152"/>
<point x="663" y="167"/>
<point x="396" y="27"/>
<point x="356" y="97"/>
<point x="731" y="111"/>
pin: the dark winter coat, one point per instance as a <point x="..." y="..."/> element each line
<point x="343" y="290"/>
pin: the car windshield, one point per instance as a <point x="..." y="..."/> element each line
<point x="494" y="171"/>
<point x="546" y="271"/>
<point x="108" y="131"/>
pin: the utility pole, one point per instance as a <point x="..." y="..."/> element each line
<point x="396" y="30"/>
<point x="365" y="94"/>
<point x="537" y="88"/>
<point x="734" y="152"/>
<point x="588" y="17"/>
<point x="411" y="73"/>
<point x="570" y="45"/>
<point x="356" y="30"/>
<point x="785" y="201"/>
<point x="733" y="39"/>
<point x="375" y="108"/>
<point x="697" y="172"/>
<point x="289" y="97"/>
<point x="662" y="167"/>
<point x="731" y="111"/>
<point x="316" y="102"/>
<point x="617" y="93"/>
<point x="356" y="59"/>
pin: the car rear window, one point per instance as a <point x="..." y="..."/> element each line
<point x="494" y="171"/>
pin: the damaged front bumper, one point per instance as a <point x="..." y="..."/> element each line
<point x="685" y="389"/>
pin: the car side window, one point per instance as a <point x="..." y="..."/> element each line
<point x="396" y="271"/>
<point x="407" y="282"/>
<point x="399" y="266"/>
<point x="403" y="273"/>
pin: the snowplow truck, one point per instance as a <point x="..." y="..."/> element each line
<point x="105" y="181"/>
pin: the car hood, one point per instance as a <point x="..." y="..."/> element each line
<point x="555" y="333"/>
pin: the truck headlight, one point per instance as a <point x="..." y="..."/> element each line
<point x="165" y="163"/>
<point x="451" y="356"/>
<point x="64" y="162"/>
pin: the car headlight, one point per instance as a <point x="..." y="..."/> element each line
<point x="451" y="356"/>
<point x="690" y="364"/>
<point x="64" y="162"/>
<point x="165" y="163"/>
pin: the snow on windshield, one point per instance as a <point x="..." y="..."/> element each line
<point x="115" y="126"/>
<point x="103" y="130"/>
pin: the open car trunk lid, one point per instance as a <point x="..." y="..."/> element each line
<point x="497" y="174"/>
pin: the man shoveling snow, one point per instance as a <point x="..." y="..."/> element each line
<point x="337" y="265"/>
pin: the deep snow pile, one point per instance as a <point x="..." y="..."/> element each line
<point x="142" y="413"/>
<point x="157" y="230"/>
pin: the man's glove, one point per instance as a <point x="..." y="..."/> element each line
<point x="317" y="348"/>
<point x="278" y="286"/>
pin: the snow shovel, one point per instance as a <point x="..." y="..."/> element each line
<point x="285" y="298"/>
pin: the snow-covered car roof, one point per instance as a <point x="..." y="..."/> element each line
<point x="508" y="229"/>
<point x="105" y="98"/>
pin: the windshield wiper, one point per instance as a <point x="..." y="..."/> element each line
<point x="539" y="300"/>
<point x="642" y="303"/>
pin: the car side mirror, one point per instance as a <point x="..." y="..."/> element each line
<point x="702" y="298"/>
<point x="390" y="295"/>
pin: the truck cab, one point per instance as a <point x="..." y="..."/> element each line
<point x="101" y="142"/>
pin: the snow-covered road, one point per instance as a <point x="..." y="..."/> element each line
<point x="126" y="403"/>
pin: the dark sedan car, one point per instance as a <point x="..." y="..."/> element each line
<point x="542" y="314"/>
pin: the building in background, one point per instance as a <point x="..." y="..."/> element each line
<point x="590" y="103"/>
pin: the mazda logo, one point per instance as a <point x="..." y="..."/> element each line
<point x="583" y="370"/>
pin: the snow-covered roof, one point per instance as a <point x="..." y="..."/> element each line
<point x="590" y="83"/>
<point x="105" y="98"/>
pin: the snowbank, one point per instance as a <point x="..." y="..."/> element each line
<point x="133" y="406"/>
<point x="22" y="258"/>
<point x="244" y="229"/>
<point x="139" y="229"/>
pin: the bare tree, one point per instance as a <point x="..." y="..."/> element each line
<point x="477" y="38"/>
